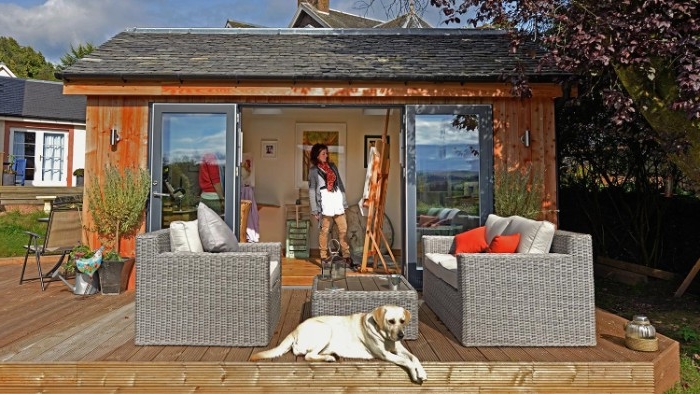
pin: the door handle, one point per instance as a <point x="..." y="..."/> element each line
<point x="159" y="194"/>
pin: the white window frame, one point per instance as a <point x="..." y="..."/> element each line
<point x="38" y="154"/>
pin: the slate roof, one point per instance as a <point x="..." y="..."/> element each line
<point x="41" y="100"/>
<point x="438" y="55"/>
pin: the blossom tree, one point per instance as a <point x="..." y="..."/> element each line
<point x="651" y="47"/>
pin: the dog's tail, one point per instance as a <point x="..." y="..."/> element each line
<point x="275" y="352"/>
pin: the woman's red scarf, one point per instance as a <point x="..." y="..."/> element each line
<point x="330" y="175"/>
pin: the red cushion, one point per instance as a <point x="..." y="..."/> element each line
<point x="504" y="243"/>
<point x="472" y="241"/>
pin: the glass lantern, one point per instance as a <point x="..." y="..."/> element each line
<point x="337" y="266"/>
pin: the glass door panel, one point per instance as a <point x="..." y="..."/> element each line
<point x="449" y="169"/>
<point x="46" y="153"/>
<point x="193" y="154"/>
<point x="53" y="159"/>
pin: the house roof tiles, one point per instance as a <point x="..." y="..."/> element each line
<point x="39" y="100"/>
<point x="438" y="55"/>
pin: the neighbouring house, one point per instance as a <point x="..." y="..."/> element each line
<point x="256" y="99"/>
<point x="42" y="125"/>
<point x="318" y="14"/>
<point x="5" y="71"/>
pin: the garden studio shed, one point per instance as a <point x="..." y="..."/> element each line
<point x="257" y="98"/>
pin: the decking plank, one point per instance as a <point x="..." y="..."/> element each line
<point x="50" y="341"/>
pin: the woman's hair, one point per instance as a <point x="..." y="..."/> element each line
<point x="315" y="151"/>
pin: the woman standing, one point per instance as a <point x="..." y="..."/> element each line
<point x="327" y="199"/>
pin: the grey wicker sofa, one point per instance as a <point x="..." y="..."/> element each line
<point x="515" y="299"/>
<point x="206" y="299"/>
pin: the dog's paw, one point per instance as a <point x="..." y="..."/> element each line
<point x="419" y="376"/>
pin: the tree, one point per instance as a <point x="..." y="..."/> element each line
<point x="117" y="211"/>
<point x="25" y="62"/>
<point x="652" y="47"/>
<point x="74" y="54"/>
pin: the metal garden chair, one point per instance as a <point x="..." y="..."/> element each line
<point x="63" y="233"/>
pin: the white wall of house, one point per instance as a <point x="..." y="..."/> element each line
<point x="78" y="149"/>
<point x="275" y="179"/>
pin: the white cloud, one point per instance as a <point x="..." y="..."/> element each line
<point x="53" y="26"/>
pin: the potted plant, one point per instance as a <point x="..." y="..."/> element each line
<point x="8" y="173"/>
<point x="79" y="175"/>
<point x="518" y="191"/>
<point x="117" y="212"/>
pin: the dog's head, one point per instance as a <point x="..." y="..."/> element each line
<point x="390" y="321"/>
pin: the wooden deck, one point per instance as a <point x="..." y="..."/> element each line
<point x="56" y="341"/>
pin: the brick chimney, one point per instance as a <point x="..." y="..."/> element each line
<point x="321" y="5"/>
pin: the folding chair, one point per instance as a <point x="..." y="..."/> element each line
<point x="63" y="233"/>
<point x="20" y="167"/>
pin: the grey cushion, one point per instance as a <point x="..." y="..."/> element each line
<point x="215" y="234"/>
<point x="535" y="236"/>
<point x="495" y="225"/>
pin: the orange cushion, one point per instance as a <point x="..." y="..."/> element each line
<point x="505" y="243"/>
<point x="472" y="241"/>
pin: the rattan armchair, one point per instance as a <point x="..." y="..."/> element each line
<point x="515" y="299"/>
<point x="206" y="299"/>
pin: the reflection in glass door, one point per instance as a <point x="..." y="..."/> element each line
<point x="449" y="169"/>
<point x="192" y="158"/>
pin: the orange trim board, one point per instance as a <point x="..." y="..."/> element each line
<point x="308" y="89"/>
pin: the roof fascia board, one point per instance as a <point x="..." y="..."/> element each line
<point x="314" y="14"/>
<point x="307" y="90"/>
<point x="40" y="120"/>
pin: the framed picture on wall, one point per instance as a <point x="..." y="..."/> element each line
<point x="268" y="149"/>
<point x="308" y="134"/>
<point x="370" y="141"/>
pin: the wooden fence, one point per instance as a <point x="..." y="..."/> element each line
<point x="34" y="195"/>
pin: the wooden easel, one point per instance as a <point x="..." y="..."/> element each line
<point x="374" y="203"/>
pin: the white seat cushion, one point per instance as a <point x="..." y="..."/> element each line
<point x="443" y="265"/>
<point x="184" y="237"/>
<point x="274" y="271"/>
<point x="535" y="236"/>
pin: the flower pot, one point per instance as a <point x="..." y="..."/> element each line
<point x="79" y="181"/>
<point x="8" y="179"/>
<point x="114" y="275"/>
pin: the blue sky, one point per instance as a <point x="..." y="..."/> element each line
<point x="51" y="26"/>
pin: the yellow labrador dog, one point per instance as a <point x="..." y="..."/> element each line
<point x="376" y="334"/>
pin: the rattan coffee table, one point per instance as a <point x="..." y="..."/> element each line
<point x="363" y="293"/>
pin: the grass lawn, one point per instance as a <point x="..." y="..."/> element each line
<point x="13" y="225"/>
<point x="677" y="318"/>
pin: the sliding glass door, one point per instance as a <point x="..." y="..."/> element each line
<point x="448" y="178"/>
<point x="195" y="155"/>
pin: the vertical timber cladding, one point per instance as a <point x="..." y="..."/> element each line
<point x="511" y="117"/>
<point x="129" y="116"/>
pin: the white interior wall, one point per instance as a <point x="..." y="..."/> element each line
<point x="275" y="180"/>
